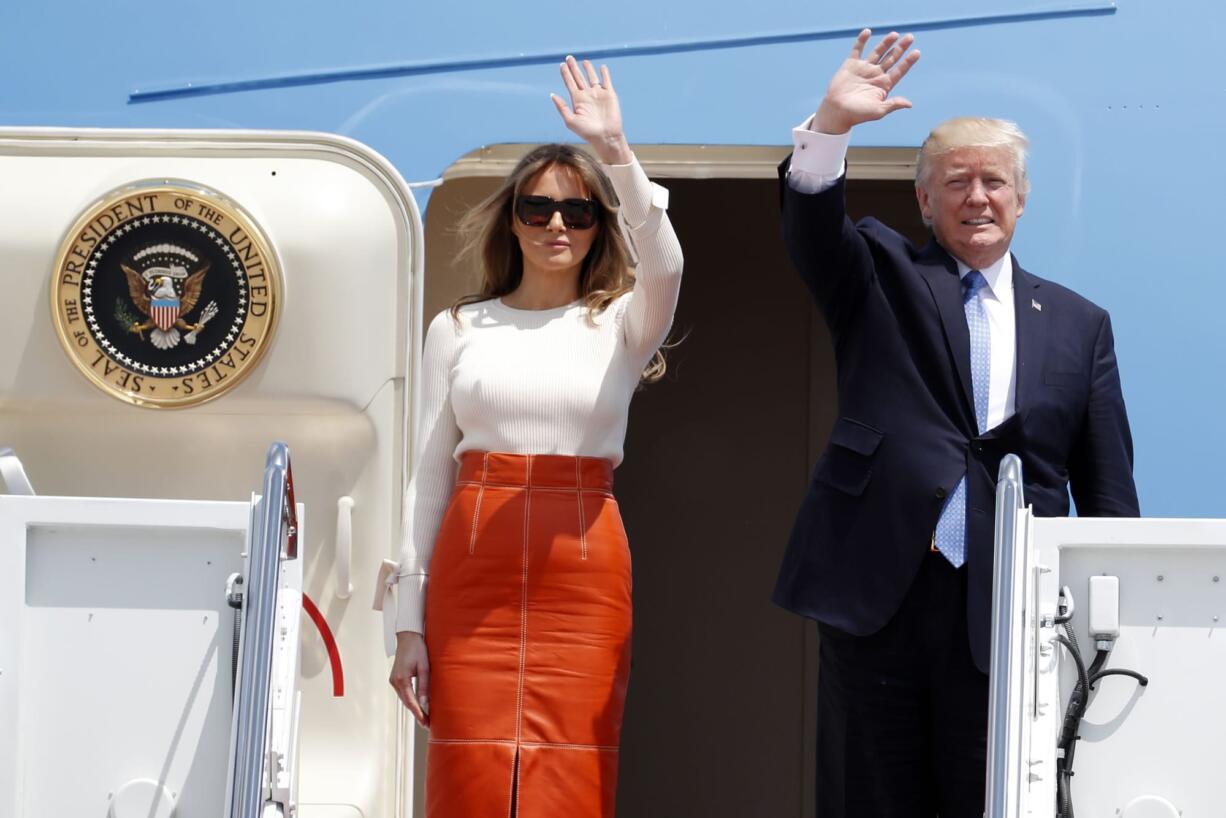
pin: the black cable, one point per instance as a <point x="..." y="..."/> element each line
<point x="1078" y="698"/>
<point x="1072" y="637"/>
<point x="1078" y="704"/>
<point x="1119" y="671"/>
<point x="1065" y="607"/>
<point x="238" y="629"/>
<point x="234" y="598"/>
<point x="1083" y="676"/>
<point x="1064" y="794"/>
<point x="1064" y="799"/>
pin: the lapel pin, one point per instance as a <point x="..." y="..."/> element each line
<point x="1036" y="305"/>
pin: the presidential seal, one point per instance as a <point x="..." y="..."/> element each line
<point x="165" y="295"/>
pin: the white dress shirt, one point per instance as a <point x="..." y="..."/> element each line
<point x="819" y="159"/>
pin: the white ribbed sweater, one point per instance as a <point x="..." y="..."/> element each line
<point x="535" y="381"/>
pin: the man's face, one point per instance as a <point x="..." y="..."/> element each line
<point x="972" y="201"/>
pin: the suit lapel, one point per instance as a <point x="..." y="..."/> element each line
<point x="1031" y="327"/>
<point x="940" y="272"/>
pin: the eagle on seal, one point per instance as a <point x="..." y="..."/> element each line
<point x="155" y="295"/>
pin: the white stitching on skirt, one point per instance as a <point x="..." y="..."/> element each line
<point x="523" y="639"/>
<point x="472" y="538"/>
<point x="523" y="612"/>
<point x="555" y="746"/>
<point x="579" y="502"/>
<point x="550" y="745"/>
<point x="492" y="485"/>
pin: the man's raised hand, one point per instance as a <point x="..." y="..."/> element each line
<point x="860" y="89"/>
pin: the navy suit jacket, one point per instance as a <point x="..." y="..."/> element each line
<point x="906" y="430"/>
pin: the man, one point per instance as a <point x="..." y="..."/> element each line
<point x="949" y="357"/>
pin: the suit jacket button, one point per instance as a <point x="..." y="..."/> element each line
<point x="979" y="448"/>
<point x="940" y="494"/>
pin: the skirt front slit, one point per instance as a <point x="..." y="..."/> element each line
<point x="528" y="621"/>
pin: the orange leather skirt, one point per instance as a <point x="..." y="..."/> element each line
<point x="528" y="619"/>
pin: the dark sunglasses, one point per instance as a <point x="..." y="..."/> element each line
<point x="537" y="211"/>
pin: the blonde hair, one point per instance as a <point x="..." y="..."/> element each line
<point x="488" y="240"/>
<point x="975" y="132"/>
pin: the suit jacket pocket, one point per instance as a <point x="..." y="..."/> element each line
<point x="1067" y="380"/>
<point x="847" y="463"/>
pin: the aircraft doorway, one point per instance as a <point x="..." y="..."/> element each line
<point x="720" y="715"/>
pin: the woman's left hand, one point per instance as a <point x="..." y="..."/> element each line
<point x="594" y="112"/>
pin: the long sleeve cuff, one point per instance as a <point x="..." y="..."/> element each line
<point x="817" y="158"/>
<point x="411" y="603"/>
<point x="636" y="193"/>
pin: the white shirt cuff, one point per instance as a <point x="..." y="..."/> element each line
<point x="411" y="603"/>
<point x="636" y="193"/>
<point x="817" y="158"/>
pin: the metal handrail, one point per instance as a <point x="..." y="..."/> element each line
<point x="273" y="531"/>
<point x="12" y="474"/>
<point x="1009" y="502"/>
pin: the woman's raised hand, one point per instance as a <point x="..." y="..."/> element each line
<point x="860" y="89"/>
<point x="594" y="113"/>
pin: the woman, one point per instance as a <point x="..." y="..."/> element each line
<point x="521" y="673"/>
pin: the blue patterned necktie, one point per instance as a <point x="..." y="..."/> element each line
<point x="950" y="537"/>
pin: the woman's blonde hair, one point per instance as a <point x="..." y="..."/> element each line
<point x="488" y="240"/>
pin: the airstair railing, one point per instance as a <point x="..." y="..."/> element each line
<point x="273" y="534"/>
<point x="12" y="474"/>
<point x="1001" y="728"/>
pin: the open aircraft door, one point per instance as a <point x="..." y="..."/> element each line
<point x="1132" y="611"/>
<point x="173" y="302"/>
